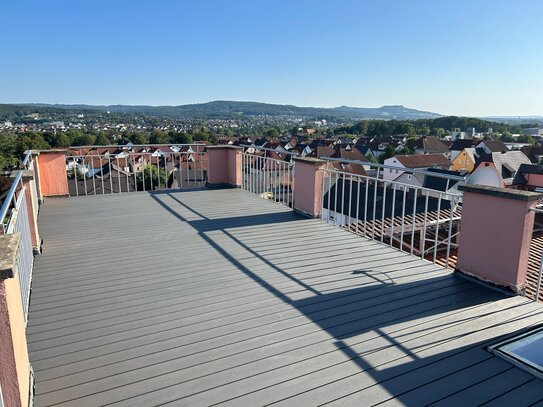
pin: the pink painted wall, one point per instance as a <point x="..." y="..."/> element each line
<point x="495" y="238"/>
<point x="52" y="174"/>
<point x="535" y="180"/>
<point x="234" y="167"/>
<point x="224" y="165"/>
<point x="217" y="166"/>
<point x="308" y="185"/>
<point x="14" y="366"/>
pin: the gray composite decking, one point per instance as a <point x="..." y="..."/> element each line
<point x="219" y="297"/>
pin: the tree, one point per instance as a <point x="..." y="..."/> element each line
<point x="159" y="137"/>
<point x="84" y="140"/>
<point x="150" y="175"/>
<point x="271" y="133"/>
<point x="526" y="139"/>
<point x="139" y="138"/>
<point x="388" y="153"/>
<point x="182" y="138"/>
<point x="438" y="132"/>
<point x="102" y="140"/>
<point x="61" y="140"/>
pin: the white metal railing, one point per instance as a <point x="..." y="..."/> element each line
<point x="25" y="261"/>
<point x="534" y="275"/>
<point x="270" y="178"/>
<point x="412" y="218"/>
<point x="15" y="219"/>
<point x="28" y="164"/>
<point x="132" y="170"/>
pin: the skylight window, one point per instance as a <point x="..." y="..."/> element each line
<point x="525" y="351"/>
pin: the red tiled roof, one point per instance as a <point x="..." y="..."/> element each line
<point x="423" y="160"/>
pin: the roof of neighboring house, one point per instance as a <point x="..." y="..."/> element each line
<point x="407" y="178"/>
<point x="430" y="143"/>
<point x="384" y="204"/>
<point x="319" y="143"/>
<point x="525" y="169"/>
<point x="441" y="184"/>
<point x="350" y="155"/>
<point x="531" y="169"/>
<point x="461" y="144"/>
<point x="260" y="142"/>
<point x="495" y="146"/>
<point x="423" y="160"/>
<point x="507" y="163"/>
<point x="364" y="149"/>
<point x="357" y="169"/>
<point x="325" y="152"/>
<point x="532" y="152"/>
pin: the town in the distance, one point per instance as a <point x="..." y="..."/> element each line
<point x="391" y="135"/>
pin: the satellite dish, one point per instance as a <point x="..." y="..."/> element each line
<point x="488" y="176"/>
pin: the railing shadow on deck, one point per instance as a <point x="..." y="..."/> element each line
<point x="404" y="316"/>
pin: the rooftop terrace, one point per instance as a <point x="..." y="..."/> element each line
<point x="217" y="296"/>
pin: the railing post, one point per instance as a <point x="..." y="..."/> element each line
<point x="308" y="186"/>
<point x="224" y="166"/>
<point x="496" y="232"/>
<point x="15" y="370"/>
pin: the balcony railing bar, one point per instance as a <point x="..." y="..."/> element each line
<point x="141" y="173"/>
<point x="389" y="218"/>
<point x="402" y="169"/>
<point x="269" y="178"/>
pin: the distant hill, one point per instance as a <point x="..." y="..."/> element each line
<point x="229" y="109"/>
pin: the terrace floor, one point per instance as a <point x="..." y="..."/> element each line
<point x="219" y="297"/>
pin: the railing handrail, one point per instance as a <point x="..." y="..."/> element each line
<point x="135" y="153"/>
<point x="271" y="159"/>
<point x="268" y="149"/>
<point x="403" y="184"/>
<point x="9" y="198"/>
<point x="403" y="169"/>
<point x="136" y="145"/>
<point x="28" y="154"/>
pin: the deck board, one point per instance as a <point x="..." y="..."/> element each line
<point x="217" y="296"/>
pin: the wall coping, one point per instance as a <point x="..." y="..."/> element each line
<point x="9" y="252"/>
<point x="224" y="147"/>
<point x="514" y="194"/>
<point x="27" y="175"/>
<point x="52" y="151"/>
<point x="310" y="160"/>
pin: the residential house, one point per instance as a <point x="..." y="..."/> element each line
<point x="529" y="177"/>
<point x="464" y="160"/>
<point x="366" y="151"/>
<point x="430" y="145"/>
<point x="491" y="146"/>
<point x="415" y="179"/>
<point x="413" y="161"/>
<point x="459" y="145"/>
<point x="443" y="184"/>
<point x="534" y="153"/>
<point x="506" y="163"/>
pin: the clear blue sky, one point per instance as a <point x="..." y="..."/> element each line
<point x="468" y="57"/>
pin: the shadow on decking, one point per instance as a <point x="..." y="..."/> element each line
<point x="389" y="315"/>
